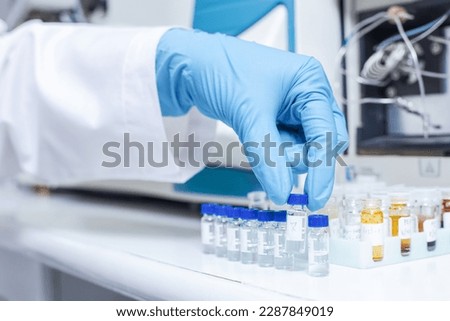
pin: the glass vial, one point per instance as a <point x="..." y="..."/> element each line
<point x="372" y="227"/>
<point x="352" y="218"/>
<point x="249" y="235"/>
<point x="318" y="245"/>
<point x="220" y="230"/>
<point x="333" y="209"/>
<point x="233" y="235"/>
<point x="265" y="238"/>
<point x="280" y="254"/>
<point x="207" y="227"/>
<point x="258" y="200"/>
<point x="427" y="213"/>
<point x="296" y="238"/>
<point x="385" y="203"/>
<point x="401" y="222"/>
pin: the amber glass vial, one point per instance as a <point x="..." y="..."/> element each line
<point x="372" y="227"/>
<point x="401" y="222"/>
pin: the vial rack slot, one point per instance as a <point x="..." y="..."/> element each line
<point x="358" y="254"/>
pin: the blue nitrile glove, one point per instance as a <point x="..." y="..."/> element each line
<point x="256" y="90"/>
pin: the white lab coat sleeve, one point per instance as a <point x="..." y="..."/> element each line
<point x="80" y="103"/>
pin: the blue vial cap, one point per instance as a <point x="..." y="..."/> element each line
<point x="249" y="214"/>
<point x="298" y="199"/>
<point x="222" y="210"/>
<point x="279" y="216"/>
<point x="265" y="216"/>
<point x="208" y="208"/>
<point x="318" y="220"/>
<point x="234" y="212"/>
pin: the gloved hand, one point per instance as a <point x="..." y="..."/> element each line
<point x="257" y="90"/>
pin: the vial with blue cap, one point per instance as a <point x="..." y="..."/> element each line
<point x="318" y="245"/>
<point x="249" y="235"/>
<point x="281" y="260"/>
<point x="296" y="227"/>
<point x="233" y="237"/>
<point x="220" y="230"/>
<point x="207" y="227"/>
<point x="265" y="238"/>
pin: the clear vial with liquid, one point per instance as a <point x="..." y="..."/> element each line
<point x="265" y="238"/>
<point x="281" y="259"/>
<point x="249" y="235"/>
<point x="233" y="234"/>
<point x="296" y="228"/>
<point x="207" y="227"/>
<point x="318" y="245"/>
<point x="220" y="230"/>
<point x="352" y="218"/>
<point x="333" y="209"/>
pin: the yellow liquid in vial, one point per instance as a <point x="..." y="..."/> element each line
<point x="395" y="214"/>
<point x="421" y="221"/>
<point x="373" y="216"/>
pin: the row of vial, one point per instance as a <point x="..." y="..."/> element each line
<point x="389" y="215"/>
<point x="291" y="239"/>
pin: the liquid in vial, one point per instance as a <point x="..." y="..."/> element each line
<point x="385" y="203"/>
<point x="265" y="238"/>
<point x="318" y="245"/>
<point x="281" y="260"/>
<point x="352" y="217"/>
<point x="372" y="227"/>
<point x="220" y="230"/>
<point x="400" y="218"/>
<point x="334" y="210"/>
<point x="207" y="228"/>
<point x="427" y="211"/>
<point x="249" y="235"/>
<point x="296" y="228"/>
<point x="233" y="234"/>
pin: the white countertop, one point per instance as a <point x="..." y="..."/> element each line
<point x="152" y="250"/>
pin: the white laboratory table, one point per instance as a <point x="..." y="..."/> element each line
<point x="151" y="250"/>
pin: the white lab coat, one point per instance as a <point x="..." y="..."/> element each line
<point x="66" y="90"/>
